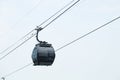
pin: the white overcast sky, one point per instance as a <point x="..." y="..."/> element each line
<point x="95" y="57"/>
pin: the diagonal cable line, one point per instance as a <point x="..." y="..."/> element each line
<point x="17" y="23"/>
<point x="94" y="30"/>
<point x="18" y="70"/>
<point x="16" y="47"/>
<point x="88" y="33"/>
<point x="33" y="34"/>
<point x="16" y="42"/>
<point x="56" y="13"/>
<point x="38" y="25"/>
<point x="62" y="13"/>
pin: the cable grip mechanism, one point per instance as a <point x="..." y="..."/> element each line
<point x="38" y="30"/>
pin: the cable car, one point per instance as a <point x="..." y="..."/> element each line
<point x="43" y="53"/>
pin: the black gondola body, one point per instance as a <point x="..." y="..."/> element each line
<point x="43" y="54"/>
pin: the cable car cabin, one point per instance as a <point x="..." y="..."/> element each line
<point x="43" y="54"/>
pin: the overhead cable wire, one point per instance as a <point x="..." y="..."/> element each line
<point x="17" y="23"/>
<point x="15" y="43"/>
<point x="88" y="33"/>
<point x="33" y="34"/>
<point x="94" y="30"/>
<point x="56" y="13"/>
<point x="16" y="47"/>
<point x="38" y="26"/>
<point x="18" y="70"/>
<point x="62" y="13"/>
